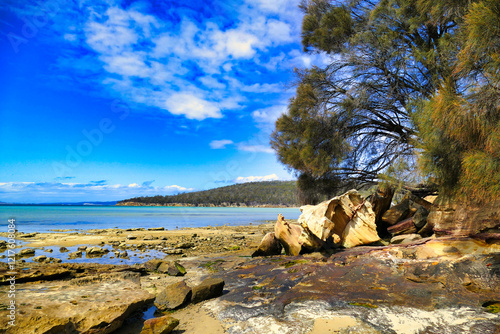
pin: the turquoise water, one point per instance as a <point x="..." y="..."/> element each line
<point x="46" y="218"/>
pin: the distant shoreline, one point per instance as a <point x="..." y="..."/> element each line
<point x="204" y="205"/>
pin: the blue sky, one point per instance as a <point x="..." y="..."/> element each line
<point x="105" y="100"/>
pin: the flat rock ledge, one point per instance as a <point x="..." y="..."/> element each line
<point x="443" y="285"/>
<point x="92" y="304"/>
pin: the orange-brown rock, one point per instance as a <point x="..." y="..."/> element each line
<point x="397" y="213"/>
<point x="458" y="219"/>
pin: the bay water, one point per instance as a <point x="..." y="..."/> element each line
<point x="73" y="219"/>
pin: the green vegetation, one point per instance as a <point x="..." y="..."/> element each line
<point x="212" y="266"/>
<point x="294" y="262"/>
<point x="368" y="305"/>
<point x="492" y="307"/>
<point x="273" y="193"/>
<point x="411" y="93"/>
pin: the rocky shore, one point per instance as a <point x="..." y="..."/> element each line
<point x="204" y="280"/>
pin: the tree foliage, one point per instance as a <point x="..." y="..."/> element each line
<point x="460" y="124"/>
<point x="406" y="79"/>
<point x="352" y="118"/>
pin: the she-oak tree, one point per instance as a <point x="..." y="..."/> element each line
<point x="377" y="104"/>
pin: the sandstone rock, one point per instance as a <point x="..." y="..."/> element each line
<point x="174" y="251"/>
<point x="124" y="255"/>
<point x="152" y="265"/>
<point x="209" y="288"/>
<point x="95" y="306"/>
<point x="381" y="201"/>
<point x="288" y="235"/>
<point x="149" y="237"/>
<point x="459" y="219"/>
<point x="416" y="201"/>
<point x="397" y="213"/>
<point x="27" y="252"/>
<point x="161" y="325"/>
<point x="131" y="237"/>
<point x="346" y="219"/>
<point x="404" y="227"/>
<point x="156" y="229"/>
<point x="63" y="250"/>
<point x="96" y="251"/>
<point x="3" y="244"/>
<point x="270" y="245"/>
<point x="82" y="248"/>
<point x="75" y="255"/>
<point x="405" y="238"/>
<point x="173" y="296"/>
<point x="40" y="258"/>
<point x="420" y="217"/>
<point x="48" y="250"/>
<point x="172" y="268"/>
<point x="185" y="245"/>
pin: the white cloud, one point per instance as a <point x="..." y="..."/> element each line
<point x="241" y="179"/>
<point x="192" y="106"/>
<point x="269" y="115"/>
<point x="254" y="148"/>
<point x="127" y="64"/>
<point x="43" y="192"/>
<point x="220" y="144"/>
<point x="236" y="43"/>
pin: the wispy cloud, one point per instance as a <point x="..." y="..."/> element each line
<point x="254" y="148"/>
<point x="245" y="179"/>
<point x="243" y="146"/>
<point x="220" y="144"/>
<point x="42" y="192"/>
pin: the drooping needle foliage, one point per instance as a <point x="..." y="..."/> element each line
<point x="406" y="79"/>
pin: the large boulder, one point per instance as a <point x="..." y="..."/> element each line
<point x="449" y="217"/>
<point x="381" y="201"/>
<point x="347" y="220"/>
<point x="288" y="234"/>
<point x="173" y="297"/>
<point x="270" y="245"/>
<point x="397" y="213"/>
<point x="209" y="288"/>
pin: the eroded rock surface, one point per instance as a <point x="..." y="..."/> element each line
<point x="348" y="219"/>
<point x="90" y="304"/>
<point x="428" y="286"/>
<point x="458" y="219"/>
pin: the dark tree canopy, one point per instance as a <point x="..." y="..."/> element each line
<point x="373" y="106"/>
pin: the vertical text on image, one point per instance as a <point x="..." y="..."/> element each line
<point x="11" y="260"/>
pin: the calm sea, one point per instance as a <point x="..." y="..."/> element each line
<point x="45" y="218"/>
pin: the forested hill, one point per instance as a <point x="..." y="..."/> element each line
<point x="272" y="193"/>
